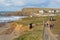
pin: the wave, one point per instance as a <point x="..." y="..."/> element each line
<point x="10" y="18"/>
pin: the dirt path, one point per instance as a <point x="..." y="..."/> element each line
<point x="47" y="34"/>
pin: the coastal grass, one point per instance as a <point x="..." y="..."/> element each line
<point x="39" y="20"/>
<point x="27" y="21"/>
<point x="36" y="34"/>
<point x="56" y="28"/>
<point x="36" y="31"/>
<point x="34" y="20"/>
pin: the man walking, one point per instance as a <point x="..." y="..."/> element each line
<point x="51" y="26"/>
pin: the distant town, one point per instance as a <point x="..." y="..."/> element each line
<point x="31" y="11"/>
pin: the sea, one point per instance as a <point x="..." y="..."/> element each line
<point x="10" y="18"/>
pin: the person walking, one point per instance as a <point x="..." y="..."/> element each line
<point x="45" y="24"/>
<point x="48" y="23"/>
<point x="51" y="18"/>
<point x="51" y="26"/>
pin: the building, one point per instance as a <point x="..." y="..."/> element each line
<point x="52" y="11"/>
<point x="41" y="11"/>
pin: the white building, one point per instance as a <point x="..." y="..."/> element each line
<point x="41" y="11"/>
<point x="51" y="11"/>
<point x="57" y="11"/>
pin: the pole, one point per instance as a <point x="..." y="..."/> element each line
<point x="43" y="34"/>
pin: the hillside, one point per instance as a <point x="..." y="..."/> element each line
<point x="19" y="28"/>
<point x="27" y="11"/>
<point x="11" y="14"/>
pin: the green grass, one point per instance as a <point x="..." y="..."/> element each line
<point x="34" y="20"/>
<point x="36" y="34"/>
<point x="56" y="28"/>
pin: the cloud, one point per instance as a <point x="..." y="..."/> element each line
<point x="54" y="4"/>
<point x="3" y="2"/>
<point x="12" y="2"/>
<point x="20" y="2"/>
<point x="36" y="1"/>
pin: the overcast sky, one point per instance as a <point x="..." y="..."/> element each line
<point x="14" y="5"/>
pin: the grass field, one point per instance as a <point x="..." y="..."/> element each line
<point x="56" y="29"/>
<point x="36" y="31"/>
<point x="33" y="35"/>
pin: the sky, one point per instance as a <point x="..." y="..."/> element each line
<point x="16" y="5"/>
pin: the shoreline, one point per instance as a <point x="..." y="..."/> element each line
<point x="10" y="18"/>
